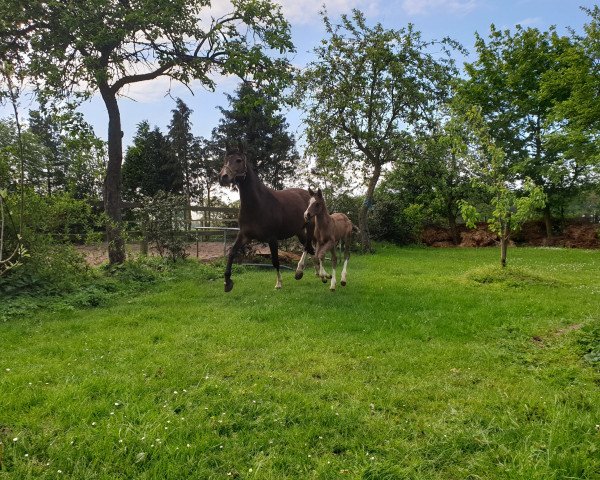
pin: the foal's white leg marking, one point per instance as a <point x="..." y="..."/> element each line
<point x="322" y="272"/>
<point x="278" y="284"/>
<point x="333" y="282"/>
<point x="344" y="273"/>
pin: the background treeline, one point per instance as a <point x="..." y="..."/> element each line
<point x="396" y="134"/>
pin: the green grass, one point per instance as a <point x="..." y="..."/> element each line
<point x="430" y="364"/>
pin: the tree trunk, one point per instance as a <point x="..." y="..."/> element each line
<point x="452" y="225"/>
<point x="112" y="182"/>
<point x="363" y="216"/>
<point x="504" y="237"/>
<point x="548" y="221"/>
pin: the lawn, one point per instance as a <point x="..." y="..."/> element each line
<point x="430" y="364"/>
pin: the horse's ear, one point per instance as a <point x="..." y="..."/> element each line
<point x="310" y="192"/>
<point x="319" y="193"/>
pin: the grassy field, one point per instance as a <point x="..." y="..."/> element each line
<point x="430" y="364"/>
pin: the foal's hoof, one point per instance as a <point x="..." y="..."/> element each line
<point x="343" y="283"/>
<point x="228" y="285"/>
<point x="299" y="275"/>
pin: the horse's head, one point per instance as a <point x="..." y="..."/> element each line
<point x="235" y="167"/>
<point x="316" y="204"/>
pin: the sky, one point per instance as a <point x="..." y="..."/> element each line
<point x="457" y="19"/>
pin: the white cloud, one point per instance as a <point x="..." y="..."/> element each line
<point x="307" y="11"/>
<point x="421" y="7"/>
<point x="157" y="89"/>
<point x="529" y="21"/>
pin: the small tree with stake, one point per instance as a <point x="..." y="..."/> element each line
<point x="511" y="206"/>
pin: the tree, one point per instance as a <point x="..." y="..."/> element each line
<point x="73" y="157"/>
<point x="210" y="156"/>
<point x="366" y="95"/>
<point x="252" y="117"/>
<point x="77" y="48"/>
<point x="511" y="206"/>
<point x="573" y="86"/>
<point x="183" y="151"/>
<point x="507" y="82"/>
<point x="48" y="133"/>
<point x="149" y="166"/>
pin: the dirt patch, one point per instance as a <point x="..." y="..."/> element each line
<point x="575" y="234"/>
<point x="570" y="328"/>
<point x="97" y="254"/>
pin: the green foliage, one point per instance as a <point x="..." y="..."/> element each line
<point x="589" y="341"/>
<point x="49" y="267"/>
<point x="252" y="118"/>
<point x="510" y="206"/>
<point x="164" y="225"/>
<point x="50" y="226"/>
<point x="525" y="82"/>
<point x="388" y="220"/>
<point x="513" y="277"/>
<point x="60" y="217"/>
<point x="368" y="92"/>
<point x="122" y="43"/>
<point x="149" y="165"/>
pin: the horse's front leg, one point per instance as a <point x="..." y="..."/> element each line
<point x="300" y="268"/>
<point x="274" y="247"/>
<point x="319" y="258"/>
<point x="346" y="257"/>
<point x="333" y="266"/>
<point x="240" y="241"/>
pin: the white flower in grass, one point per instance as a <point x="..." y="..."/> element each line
<point x="93" y="424"/>
<point x="16" y="439"/>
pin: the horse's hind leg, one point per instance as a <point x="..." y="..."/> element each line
<point x="274" y="247"/>
<point x="346" y="257"/>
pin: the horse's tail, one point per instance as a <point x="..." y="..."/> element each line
<point x="355" y="230"/>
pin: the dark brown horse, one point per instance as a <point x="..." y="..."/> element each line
<point x="266" y="215"/>
<point x="329" y="231"/>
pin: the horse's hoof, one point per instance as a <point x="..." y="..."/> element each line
<point x="323" y="279"/>
<point x="328" y="277"/>
<point x="343" y="283"/>
<point x="277" y="287"/>
<point x="228" y="285"/>
<point x="299" y="275"/>
<point x="332" y="289"/>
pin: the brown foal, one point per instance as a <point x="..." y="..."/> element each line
<point x="329" y="231"/>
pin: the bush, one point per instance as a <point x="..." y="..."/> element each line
<point x="49" y="224"/>
<point x="163" y="224"/>
<point x="392" y="221"/>
<point x="61" y="217"/>
<point x="49" y="267"/>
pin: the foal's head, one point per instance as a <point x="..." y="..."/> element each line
<point x="316" y="205"/>
<point x="235" y="167"/>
